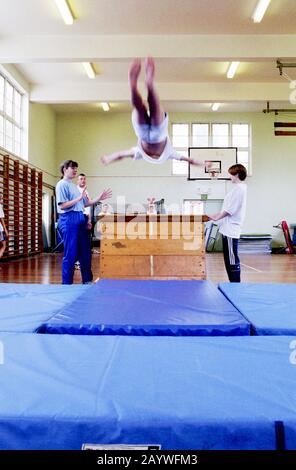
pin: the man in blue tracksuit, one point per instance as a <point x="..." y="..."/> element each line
<point x="73" y="224"/>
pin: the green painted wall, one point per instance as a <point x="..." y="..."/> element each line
<point x="272" y="188"/>
<point x="42" y="140"/>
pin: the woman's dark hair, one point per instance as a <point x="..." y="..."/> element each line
<point x="66" y="164"/>
<point x="239" y="170"/>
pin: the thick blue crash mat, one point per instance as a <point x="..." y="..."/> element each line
<point x="172" y="308"/>
<point x="62" y="391"/>
<point x="23" y="307"/>
<point x="271" y="308"/>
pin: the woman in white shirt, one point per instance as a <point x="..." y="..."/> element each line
<point x="230" y="220"/>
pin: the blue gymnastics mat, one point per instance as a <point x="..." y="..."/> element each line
<point x="61" y="391"/>
<point x="171" y="308"/>
<point x="23" y="307"/>
<point x="271" y="308"/>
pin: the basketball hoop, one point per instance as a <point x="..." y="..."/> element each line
<point x="214" y="175"/>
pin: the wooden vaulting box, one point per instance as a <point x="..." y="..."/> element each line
<point x="152" y="247"/>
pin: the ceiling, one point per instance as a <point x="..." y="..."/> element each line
<point x="193" y="42"/>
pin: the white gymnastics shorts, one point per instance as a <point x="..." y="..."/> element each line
<point x="148" y="133"/>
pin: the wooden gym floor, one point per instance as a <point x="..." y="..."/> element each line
<point x="46" y="268"/>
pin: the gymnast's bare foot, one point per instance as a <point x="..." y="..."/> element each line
<point x="149" y="70"/>
<point x="134" y="73"/>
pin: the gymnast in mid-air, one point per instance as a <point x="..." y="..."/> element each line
<point x="150" y="124"/>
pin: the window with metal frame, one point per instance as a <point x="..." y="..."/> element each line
<point x="211" y="134"/>
<point x="11" y="118"/>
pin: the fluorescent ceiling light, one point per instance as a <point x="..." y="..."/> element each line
<point x="260" y="10"/>
<point x="105" y="106"/>
<point x="232" y="69"/>
<point x="65" y="11"/>
<point x="88" y="67"/>
<point x="216" y="106"/>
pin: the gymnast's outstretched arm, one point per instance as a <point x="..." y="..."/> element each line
<point x="113" y="157"/>
<point x="195" y="161"/>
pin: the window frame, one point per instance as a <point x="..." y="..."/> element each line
<point x="210" y="138"/>
<point x="18" y="147"/>
<point x="181" y="149"/>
